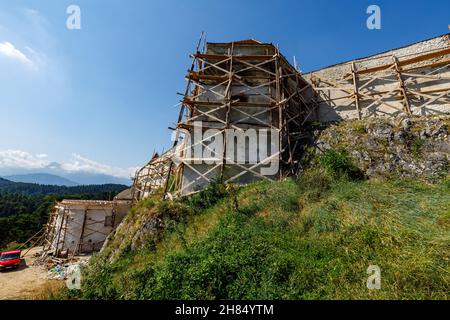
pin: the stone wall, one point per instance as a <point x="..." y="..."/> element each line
<point x="416" y="147"/>
<point x="424" y="68"/>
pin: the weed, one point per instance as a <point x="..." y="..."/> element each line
<point x="339" y="165"/>
<point x="416" y="146"/>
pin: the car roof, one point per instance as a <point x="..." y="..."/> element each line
<point x="11" y="252"/>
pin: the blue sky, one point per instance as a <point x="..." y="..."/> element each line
<point x="101" y="98"/>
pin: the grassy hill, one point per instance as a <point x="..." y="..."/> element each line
<point x="312" y="238"/>
<point x="374" y="192"/>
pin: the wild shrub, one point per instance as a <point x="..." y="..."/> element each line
<point x="209" y="196"/>
<point x="339" y="165"/>
<point x="314" y="183"/>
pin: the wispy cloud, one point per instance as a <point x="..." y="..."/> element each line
<point x="22" y="159"/>
<point x="8" y="50"/>
<point x="80" y="163"/>
<point x="25" y="160"/>
<point x="25" y="37"/>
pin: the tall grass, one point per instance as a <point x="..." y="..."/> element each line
<point x="312" y="238"/>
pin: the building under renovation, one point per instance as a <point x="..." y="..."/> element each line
<point x="233" y="91"/>
<point x="245" y="85"/>
<point x="244" y="113"/>
<point x="152" y="177"/>
<point x="81" y="226"/>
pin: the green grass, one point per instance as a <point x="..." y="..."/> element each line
<point x="308" y="239"/>
<point x="416" y="146"/>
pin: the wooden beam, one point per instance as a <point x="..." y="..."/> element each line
<point x="228" y="102"/>
<point x="80" y="242"/>
<point x="406" y="62"/>
<point x="355" y="87"/>
<point x="431" y="65"/>
<point x="223" y="57"/>
<point x="234" y="104"/>
<point x="407" y="106"/>
<point x="424" y="57"/>
<point x="197" y="76"/>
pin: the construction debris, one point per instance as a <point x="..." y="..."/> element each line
<point x="64" y="271"/>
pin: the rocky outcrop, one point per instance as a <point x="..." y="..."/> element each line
<point x="143" y="227"/>
<point x="416" y="147"/>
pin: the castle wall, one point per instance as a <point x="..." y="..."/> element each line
<point x="424" y="68"/>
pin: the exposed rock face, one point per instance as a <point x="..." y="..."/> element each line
<point x="409" y="147"/>
<point x="143" y="227"/>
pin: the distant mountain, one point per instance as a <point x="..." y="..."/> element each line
<point x="79" y="178"/>
<point x="42" y="178"/>
<point x="94" y="178"/>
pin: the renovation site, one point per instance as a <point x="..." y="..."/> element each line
<point x="301" y="151"/>
<point x="249" y="85"/>
<point x="211" y="219"/>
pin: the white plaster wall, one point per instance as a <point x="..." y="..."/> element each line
<point x="95" y="232"/>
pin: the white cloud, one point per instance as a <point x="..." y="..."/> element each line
<point x="78" y="163"/>
<point x="8" y="50"/>
<point x="22" y="159"/>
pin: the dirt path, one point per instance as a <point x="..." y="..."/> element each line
<point x="26" y="282"/>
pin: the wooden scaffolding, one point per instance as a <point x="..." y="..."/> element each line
<point x="151" y="179"/>
<point x="247" y="84"/>
<point x="405" y="81"/>
<point x="239" y="85"/>
<point x="81" y="226"/>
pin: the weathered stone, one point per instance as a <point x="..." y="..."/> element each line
<point x="417" y="147"/>
<point x="406" y="124"/>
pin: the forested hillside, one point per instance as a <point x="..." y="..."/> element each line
<point x="24" y="207"/>
<point x="7" y="186"/>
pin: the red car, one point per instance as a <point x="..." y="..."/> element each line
<point x="10" y="259"/>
